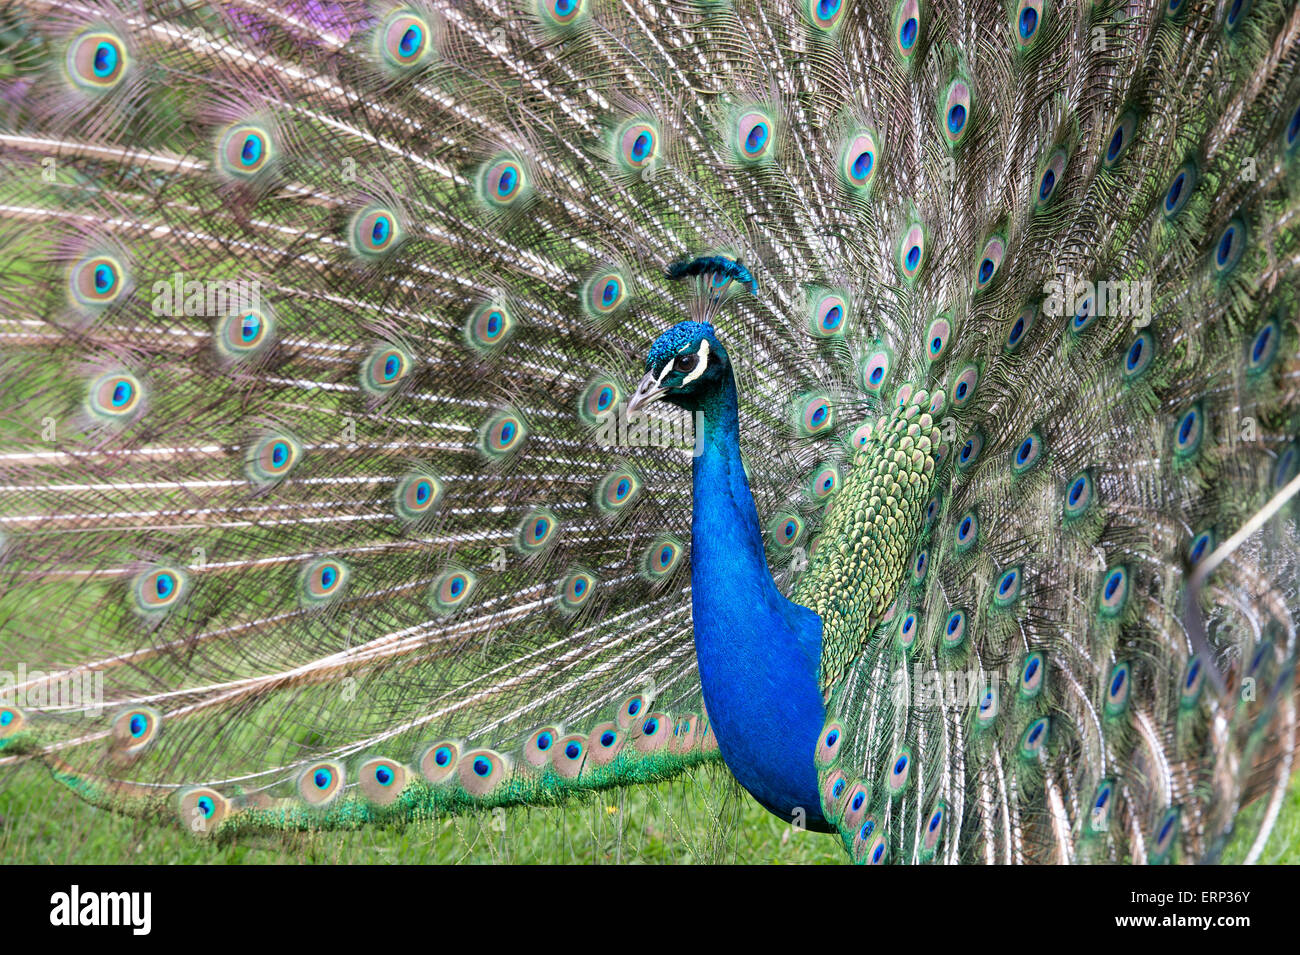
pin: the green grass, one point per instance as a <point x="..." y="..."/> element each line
<point x="703" y="818"/>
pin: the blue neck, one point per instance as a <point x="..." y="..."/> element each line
<point x="758" y="652"/>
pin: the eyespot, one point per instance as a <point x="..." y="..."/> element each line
<point x="1292" y="134"/>
<point x="1120" y="138"/>
<point x="1288" y="463"/>
<point x="488" y="326"/>
<point x="1202" y="545"/>
<point x="1117" y="689"/>
<point x="115" y="397"/>
<point x="855" y="801"/>
<point x="1175" y="6"/>
<point x="911" y="251"/>
<point x="374" y="232"/>
<point x="1139" y="355"/>
<point x="598" y="399"/>
<point x="900" y="771"/>
<point x="97" y="61"/>
<point x="134" y="729"/>
<point x="661" y="557"/>
<point x="990" y="260"/>
<point x="541" y="746"/>
<point x="11" y="720"/>
<point x="1034" y="738"/>
<point x="1020" y="328"/>
<point x="828" y="744"/>
<point x="244" y="150"/>
<point x="322" y="581"/>
<point x="439" y="761"/>
<point x="933" y="831"/>
<point x="936" y="338"/>
<point x="1099" y="817"/>
<point x="858" y="161"/>
<point x="954" y="112"/>
<point x="97" y="281"/>
<point x="875" y="370"/>
<point x="271" y="458"/>
<point x="1114" y="591"/>
<point x="568" y="755"/>
<point x="1164" y="836"/>
<point x="966" y="533"/>
<point x="1230" y="247"/>
<point x="920" y="566"/>
<point x="908" y="628"/>
<point x="244" y="333"/>
<point x="638" y="145"/>
<point x="1193" y="679"/>
<point x="1189" y="431"/>
<point x="907" y="28"/>
<point x="813" y="414"/>
<point x="1180" y="189"/>
<point x="562" y="13"/>
<point x="828" y="315"/>
<point x="931" y="510"/>
<point x="754" y="139"/>
<point x="617" y="490"/>
<point x="502" y="182"/>
<point x="969" y="452"/>
<point x="987" y="713"/>
<point x="1079" y="495"/>
<point x="653" y="733"/>
<point x="1084" y="316"/>
<point x="417" y="496"/>
<point x="825" y="15"/>
<point x="954" y="630"/>
<point x="1033" y="674"/>
<point x="1263" y="348"/>
<point x="605" y="293"/>
<point x="576" y="589"/>
<point x="382" y="780"/>
<point x="1026" y="22"/>
<point x="452" y="590"/>
<point x="868" y="849"/>
<point x="536" y="532"/>
<point x="1027" y="453"/>
<point x="825" y="482"/>
<point x="159" y="589"/>
<point x="482" y="771"/>
<point x="1237" y="11"/>
<point x="785" y="529"/>
<point x="1007" y="590"/>
<point x="202" y="810"/>
<point x="604" y="743"/>
<point x="1049" y="178"/>
<point x="384" y="369"/>
<point x="404" y="39"/>
<point x="963" y="386"/>
<point x="503" y="435"/>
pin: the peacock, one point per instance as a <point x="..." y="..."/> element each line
<point x="418" y="408"/>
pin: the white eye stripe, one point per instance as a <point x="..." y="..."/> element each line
<point x="700" y="365"/>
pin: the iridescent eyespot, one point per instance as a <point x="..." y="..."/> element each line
<point x="954" y="630"/>
<point x="617" y="490"/>
<point x="320" y="783"/>
<point x="1117" y="689"/>
<point x="382" y="780"/>
<point x="1288" y="463"/>
<point x="384" y="369"/>
<point x="812" y="414"/>
<point x="987" y="713"/>
<point x="1049" y="178"/>
<point x="858" y="161"/>
<point x="1139" y="355"/>
<point x="963" y="386"/>
<point x="11" y="720"/>
<point x="936" y="338"/>
<point x="825" y="481"/>
<point x="920" y="567"/>
<point x="1099" y="816"/>
<point x="1084" y="315"/>
<point x="598" y="399"/>
<point x="134" y="729"/>
<point x="661" y="557"/>
<point x="1027" y="453"/>
<point x="1263" y="348"/>
<point x="908" y="627"/>
<point x="990" y="260"/>
<point x="1230" y="247"/>
<point x="244" y="150"/>
<point x="966" y="533"/>
<point x="97" y="281"/>
<point x="1120" y="138"/>
<point x="900" y="771"/>
<point x="1180" y="189"/>
<point x="452" y="590"/>
<point x="825" y="15"/>
<point x="954" y="112"/>
<point x="637" y="145"/>
<point x="115" y="397"/>
<point x="1189" y="431"/>
<point x="875" y="370"/>
<point x="605" y="293"/>
<point x="536" y="531"/>
<point x="374" y="232"/>
<point x="202" y="810"/>
<point x="907" y="28"/>
<point x="931" y="510"/>
<point x="1164" y="835"/>
<point x="502" y="182"/>
<point x="1200" y="547"/>
<point x="1027" y="21"/>
<point x="562" y="14"/>
<point x="488" y="326"/>
<point x="1193" y="679"/>
<point x="97" y="61"/>
<point x="1007" y="590"/>
<point x="1033" y="674"/>
<point x="1034" y="738"/>
<point x="158" y="589"/>
<point x="567" y="755"/>
<point x="1237" y="11"/>
<point x="322" y="581"/>
<point x="1114" y="592"/>
<point x="828" y="744"/>
<point x="827" y="315"/>
<point x="244" y="333"/>
<point x="438" y="762"/>
<point x="754" y="136"/>
<point x="417" y="496"/>
<point x="785" y="529"/>
<point x="1079" y="495"/>
<point x="1292" y="134"/>
<point x="969" y="452"/>
<point x="270" y="458"/>
<point x="1020" y="328"/>
<point x="502" y="435"/>
<point x="860" y="436"/>
<point x="404" y="39"/>
<point x="933" y="832"/>
<point x="911" y="251"/>
<point x="605" y="741"/>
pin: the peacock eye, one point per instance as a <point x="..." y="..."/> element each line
<point x="685" y="363"/>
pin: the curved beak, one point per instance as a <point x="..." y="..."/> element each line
<point x="647" y="392"/>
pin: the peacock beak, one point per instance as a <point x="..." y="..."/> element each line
<point x="647" y="392"/>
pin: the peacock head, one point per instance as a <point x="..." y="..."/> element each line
<point x="685" y="364"/>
